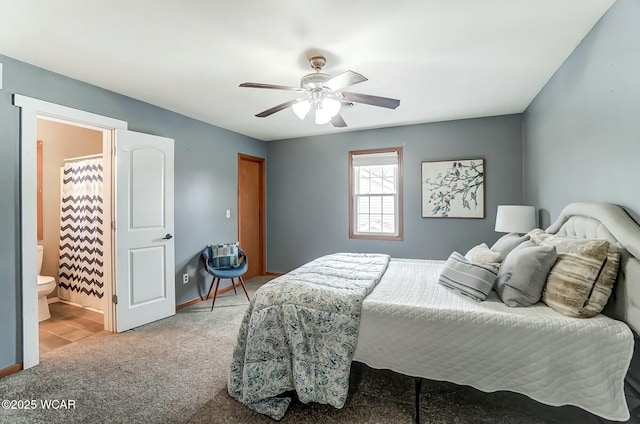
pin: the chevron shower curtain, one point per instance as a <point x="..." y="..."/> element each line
<point x="81" y="240"/>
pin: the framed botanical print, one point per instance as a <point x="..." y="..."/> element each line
<point x="453" y="188"/>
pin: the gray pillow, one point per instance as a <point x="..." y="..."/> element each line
<point x="507" y="243"/>
<point x="468" y="278"/>
<point x="523" y="274"/>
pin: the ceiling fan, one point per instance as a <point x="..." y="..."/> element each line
<point x="323" y="94"/>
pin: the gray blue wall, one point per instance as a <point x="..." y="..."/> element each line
<point x="307" y="195"/>
<point x="582" y="132"/>
<point x="205" y="180"/>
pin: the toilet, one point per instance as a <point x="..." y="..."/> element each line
<point x="46" y="284"/>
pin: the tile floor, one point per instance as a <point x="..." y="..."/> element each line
<point x="68" y="324"/>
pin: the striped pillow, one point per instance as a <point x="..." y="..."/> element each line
<point x="224" y="255"/>
<point x="570" y="283"/>
<point x="469" y="278"/>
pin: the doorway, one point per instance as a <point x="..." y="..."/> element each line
<point x="71" y="258"/>
<point x="30" y="111"/>
<point x="251" y="212"/>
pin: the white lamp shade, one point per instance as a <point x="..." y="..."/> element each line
<point x="331" y="106"/>
<point x="301" y="108"/>
<point x="325" y="109"/>
<point x="322" y="117"/>
<point x="515" y="219"/>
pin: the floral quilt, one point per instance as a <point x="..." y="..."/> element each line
<point x="300" y="332"/>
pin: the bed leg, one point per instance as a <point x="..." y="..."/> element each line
<point x="355" y="377"/>
<point x="418" y="390"/>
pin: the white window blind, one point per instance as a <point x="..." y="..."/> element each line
<point x="375" y="193"/>
<point x="370" y="159"/>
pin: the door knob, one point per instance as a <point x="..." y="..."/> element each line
<point x="167" y="237"/>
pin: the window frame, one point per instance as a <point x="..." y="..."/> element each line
<point x="352" y="196"/>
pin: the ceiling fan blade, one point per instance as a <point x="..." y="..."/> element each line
<point x="270" y="86"/>
<point x="277" y="108"/>
<point x="344" y="80"/>
<point x="338" y="122"/>
<point x="371" y="100"/>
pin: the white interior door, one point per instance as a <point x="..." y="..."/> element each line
<point x="144" y="248"/>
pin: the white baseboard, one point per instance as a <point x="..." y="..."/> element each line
<point x="53" y="300"/>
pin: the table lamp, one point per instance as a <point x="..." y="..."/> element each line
<point x="515" y="219"/>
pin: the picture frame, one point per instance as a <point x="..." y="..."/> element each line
<point x="453" y="188"/>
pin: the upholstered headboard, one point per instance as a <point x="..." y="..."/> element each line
<point x="610" y="222"/>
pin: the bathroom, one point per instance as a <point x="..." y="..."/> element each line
<point x="70" y="295"/>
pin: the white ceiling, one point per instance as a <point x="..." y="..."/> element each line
<point x="444" y="59"/>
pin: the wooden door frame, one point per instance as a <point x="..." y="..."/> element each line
<point x="262" y="163"/>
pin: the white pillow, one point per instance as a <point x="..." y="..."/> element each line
<point x="482" y="254"/>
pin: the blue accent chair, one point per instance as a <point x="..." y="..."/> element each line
<point x="226" y="272"/>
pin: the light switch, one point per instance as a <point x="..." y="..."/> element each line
<point x="228" y="213"/>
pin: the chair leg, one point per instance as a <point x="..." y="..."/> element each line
<point x="213" y="280"/>
<point x="215" y="294"/>
<point x="244" y="288"/>
<point x="233" y="284"/>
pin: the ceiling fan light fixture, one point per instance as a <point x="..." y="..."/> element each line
<point x="330" y="106"/>
<point x="301" y="108"/>
<point x="322" y="116"/>
<point x="325" y="108"/>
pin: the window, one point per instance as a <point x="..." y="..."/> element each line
<point x="375" y="194"/>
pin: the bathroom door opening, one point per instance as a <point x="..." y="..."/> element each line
<point x="71" y="232"/>
<point x="74" y="215"/>
<point x="31" y="110"/>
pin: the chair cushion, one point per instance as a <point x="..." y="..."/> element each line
<point x="230" y="272"/>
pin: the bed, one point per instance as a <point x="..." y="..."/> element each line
<point x="410" y="324"/>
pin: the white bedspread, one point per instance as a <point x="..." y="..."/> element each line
<point x="413" y="325"/>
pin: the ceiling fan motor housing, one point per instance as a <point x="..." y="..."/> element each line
<point x="316" y="80"/>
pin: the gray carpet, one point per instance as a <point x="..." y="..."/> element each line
<point x="175" y="370"/>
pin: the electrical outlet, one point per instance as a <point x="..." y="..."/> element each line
<point x="185" y="278"/>
<point x="228" y="213"/>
